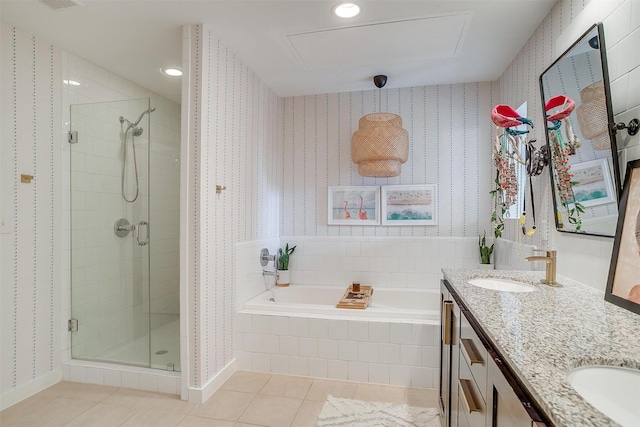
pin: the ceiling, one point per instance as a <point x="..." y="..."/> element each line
<point x="297" y="47"/>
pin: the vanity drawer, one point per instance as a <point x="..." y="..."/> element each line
<point x="475" y="354"/>
<point x="471" y="405"/>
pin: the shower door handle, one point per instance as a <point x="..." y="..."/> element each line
<point x="146" y="233"/>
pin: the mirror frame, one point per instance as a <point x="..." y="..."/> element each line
<point x="621" y="250"/>
<point x="612" y="136"/>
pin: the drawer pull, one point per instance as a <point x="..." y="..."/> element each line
<point x="467" y="398"/>
<point x="447" y="311"/>
<point x="470" y="351"/>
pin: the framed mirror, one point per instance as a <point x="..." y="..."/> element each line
<point x="623" y="288"/>
<point x="584" y="171"/>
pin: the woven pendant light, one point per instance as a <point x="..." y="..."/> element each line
<point x="380" y="145"/>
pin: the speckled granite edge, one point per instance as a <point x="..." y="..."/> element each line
<point x="546" y="333"/>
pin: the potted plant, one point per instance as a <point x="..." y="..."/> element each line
<point x="283" y="265"/>
<point x="485" y="251"/>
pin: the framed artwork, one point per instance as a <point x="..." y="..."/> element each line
<point x="623" y="284"/>
<point x="594" y="184"/>
<point x="409" y="204"/>
<point x="354" y="206"/>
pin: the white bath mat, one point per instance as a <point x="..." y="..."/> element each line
<point x="359" y="413"/>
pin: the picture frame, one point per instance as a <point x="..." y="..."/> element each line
<point x="409" y="204"/>
<point x="623" y="284"/>
<point x="594" y="183"/>
<point x="349" y="205"/>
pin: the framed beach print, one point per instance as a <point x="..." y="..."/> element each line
<point x="623" y="285"/>
<point x="409" y="204"/>
<point x="354" y="205"/>
<point x="593" y="184"/>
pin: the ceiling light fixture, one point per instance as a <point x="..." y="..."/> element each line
<point x="172" y="71"/>
<point x="346" y="10"/>
<point x="71" y="82"/>
<point x="380" y="145"/>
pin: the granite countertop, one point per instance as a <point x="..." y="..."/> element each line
<point x="545" y="333"/>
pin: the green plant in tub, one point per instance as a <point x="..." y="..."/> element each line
<point x="485" y="251"/>
<point x="283" y="257"/>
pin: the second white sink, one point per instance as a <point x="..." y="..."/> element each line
<point x="614" y="391"/>
<point x="505" y="285"/>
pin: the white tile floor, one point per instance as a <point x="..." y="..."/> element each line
<point x="246" y="399"/>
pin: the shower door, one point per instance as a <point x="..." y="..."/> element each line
<point x="110" y="247"/>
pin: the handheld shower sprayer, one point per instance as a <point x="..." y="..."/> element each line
<point x="149" y="111"/>
<point x="135" y="131"/>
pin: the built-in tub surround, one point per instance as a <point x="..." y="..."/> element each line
<point x="390" y="348"/>
<point x="542" y="335"/>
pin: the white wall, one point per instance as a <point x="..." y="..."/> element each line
<point x="584" y="258"/>
<point x="230" y="135"/>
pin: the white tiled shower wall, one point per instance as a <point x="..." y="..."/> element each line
<point x="97" y="159"/>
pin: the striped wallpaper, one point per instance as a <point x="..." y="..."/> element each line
<point x="449" y="145"/>
<point x="232" y="142"/>
<point x="30" y="238"/>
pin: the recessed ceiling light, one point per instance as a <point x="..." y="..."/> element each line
<point x="346" y="10"/>
<point x="172" y="71"/>
<point x="71" y="82"/>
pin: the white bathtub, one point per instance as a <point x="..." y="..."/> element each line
<point x="387" y="304"/>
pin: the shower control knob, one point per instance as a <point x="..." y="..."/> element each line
<point x="121" y="228"/>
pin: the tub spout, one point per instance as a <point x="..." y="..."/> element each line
<point x="273" y="273"/>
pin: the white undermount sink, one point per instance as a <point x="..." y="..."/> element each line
<point x="506" y="285"/>
<point x="612" y="390"/>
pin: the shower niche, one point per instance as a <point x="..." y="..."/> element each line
<point x="124" y="271"/>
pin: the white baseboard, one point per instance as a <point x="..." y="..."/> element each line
<point x="200" y="395"/>
<point x="14" y="396"/>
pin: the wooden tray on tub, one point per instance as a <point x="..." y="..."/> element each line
<point x="356" y="300"/>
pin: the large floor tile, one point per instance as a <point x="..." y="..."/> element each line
<point x="380" y="393"/>
<point x="149" y="400"/>
<point x="271" y="411"/>
<point x="191" y="421"/>
<point x="48" y="411"/>
<point x="93" y="392"/>
<point x="102" y="415"/>
<point x="249" y="382"/>
<point x="153" y="418"/>
<point x="422" y="397"/>
<point x="321" y="389"/>
<point x="287" y="386"/>
<point x="225" y="405"/>
<point x="307" y="415"/>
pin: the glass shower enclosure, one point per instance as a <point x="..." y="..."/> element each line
<point x="118" y="302"/>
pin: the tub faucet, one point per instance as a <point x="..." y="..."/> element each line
<point x="271" y="273"/>
<point x="550" y="259"/>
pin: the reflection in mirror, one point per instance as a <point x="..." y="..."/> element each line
<point x="510" y="151"/>
<point x="584" y="165"/>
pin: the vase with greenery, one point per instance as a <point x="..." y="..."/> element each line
<point x="283" y="265"/>
<point x="485" y="251"/>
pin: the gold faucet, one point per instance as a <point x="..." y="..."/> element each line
<point x="550" y="259"/>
